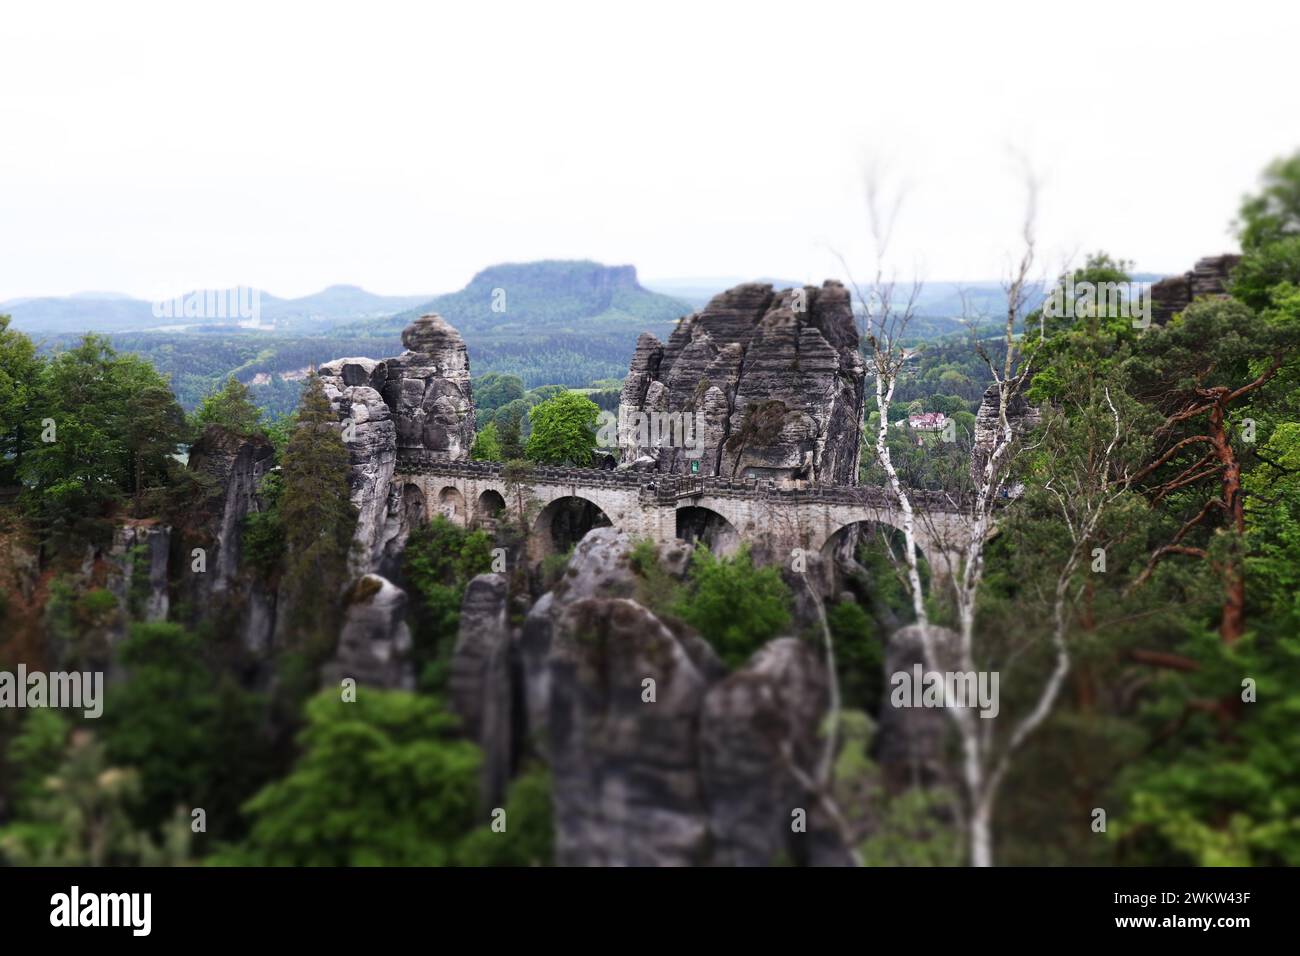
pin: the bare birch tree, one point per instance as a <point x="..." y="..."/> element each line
<point x="985" y="759"/>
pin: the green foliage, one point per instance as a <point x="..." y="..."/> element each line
<point x="116" y="427"/>
<point x="859" y="655"/>
<point x="231" y="407"/>
<point x="487" y="444"/>
<point x="263" y="541"/>
<point x="563" y="430"/>
<point x="318" y="520"/>
<point x="529" y="837"/>
<point x="494" y="389"/>
<point x="80" y="817"/>
<point x="21" y="372"/>
<point x="440" y="560"/>
<point x="734" y="605"/>
<point x="382" y="781"/>
<point x="194" y="736"/>
<point x="36" y="752"/>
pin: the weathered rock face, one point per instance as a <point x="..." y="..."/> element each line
<point x="759" y="383"/>
<point x="141" y="551"/>
<point x="354" y="386"/>
<point x="665" y="781"/>
<point x="1209" y="276"/>
<point x="232" y="466"/>
<point x="626" y="787"/>
<point x="428" y="390"/>
<point x="375" y="643"/>
<point x="480" y="684"/>
<point x="910" y="741"/>
<point x="1021" y="415"/>
<point x="755" y="727"/>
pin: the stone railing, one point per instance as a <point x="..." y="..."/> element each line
<point x="668" y="489"/>
<point x="417" y="461"/>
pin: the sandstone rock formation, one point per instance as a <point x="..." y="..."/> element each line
<point x="480" y="685"/>
<point x="420" y="400"/>
<point x="758" y="383"/>
<point x="353" y="386"/>
<point x="1208" y="277"/>
<point x="230" y="467"/>
<point x="375" y="642"/>
<point x="700" y="773"/>
<point x="141" y="550"/>
<point x="755" y="728"/>
<point x="428" y="390"/>
<point x="1021" y="416"/>
<point x="910" y="741"/>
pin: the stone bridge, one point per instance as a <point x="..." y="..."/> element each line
<point x="720" y="512"/>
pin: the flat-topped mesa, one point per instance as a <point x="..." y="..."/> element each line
<point x="759" y="383"/>
<point x="428" y="390"/>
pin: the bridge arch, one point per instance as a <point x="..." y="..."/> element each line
<point x="451" y="504"/>
<point x="490" y="504"/>
<point x="563" y="522"/>
<point x="697" y="524"/>
<point x="414" y="508"/>
<point x="874" y="533"/>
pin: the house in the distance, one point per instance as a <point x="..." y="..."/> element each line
<point x="927" y="422"/>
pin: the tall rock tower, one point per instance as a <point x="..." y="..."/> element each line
<point x="772" y="380"/>
<point x="428" y="390"/>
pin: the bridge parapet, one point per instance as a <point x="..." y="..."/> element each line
<point x="670" y="489"/>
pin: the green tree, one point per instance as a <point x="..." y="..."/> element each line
<point x="440" y="560"/>
<point x="189" y="729"/>
<point x="487" y="444"/>
<point x="496" y="389"/>
<point x="736" y="606"/>
<point x="113" y="428"/>
<point x="231" y="407"/>
<point x="382" y="781"/>
<point x="20" y="375"/>
<point x="563" y="430"/>
<point x="1269" y="229"/>
<point x="80" y="817"/>
<point x="318" y="520"/>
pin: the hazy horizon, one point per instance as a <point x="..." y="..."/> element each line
<point x="165" y="149"/>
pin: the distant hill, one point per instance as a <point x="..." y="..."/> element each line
<point x="115" y="312"/>
<point x="561" y="322"/>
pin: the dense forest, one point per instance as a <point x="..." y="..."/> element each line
<point x="1177" y="718"/>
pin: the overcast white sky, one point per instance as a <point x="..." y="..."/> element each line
<point x="155" y="148"/>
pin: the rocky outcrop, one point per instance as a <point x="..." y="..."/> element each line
<point x="659" y="757"/>
<point x="1021" y="416"/>
<point x="428" y="390"/>
<point x="230" y="469"/>
<point x="1210" y="276"/>
<point x="626" y="786"/>
<point x="757" y="728"/>
<point x="375" y="642"/>
<point x="480" y="684"/>
<point x="911" y="740"/>
<point x="354" y="387"/>
<point x="758" y="383"/>
<point x="420" y="400"/>
<point x="137" y="577"/>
